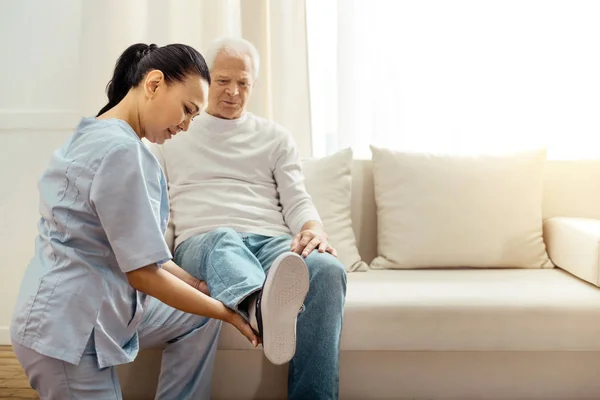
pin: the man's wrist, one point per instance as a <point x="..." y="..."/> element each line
<point x="313" y="226"/>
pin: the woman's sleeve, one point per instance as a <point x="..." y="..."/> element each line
<point x="126" y="193"/>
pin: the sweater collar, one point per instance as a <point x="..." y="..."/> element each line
<point x="218" y="125"/>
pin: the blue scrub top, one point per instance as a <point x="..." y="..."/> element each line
<point x="104" y="211"/>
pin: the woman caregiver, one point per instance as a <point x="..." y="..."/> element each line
<point x="101" y="285"/>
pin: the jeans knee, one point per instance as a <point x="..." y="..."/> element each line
<point x="219" y="238"/>
<point x="327" y="269"/>
<point x="193" y="252"/>
<point x="223" y="233"/>
<point x="327" y="291"/>
<point x="222" y="240"/>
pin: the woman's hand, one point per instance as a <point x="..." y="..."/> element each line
<point x="175" y="287"/>
<point x="242" y="326"/>
<point x="171" y="290"/>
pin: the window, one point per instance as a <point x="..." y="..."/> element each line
<point x="455" y="76"/>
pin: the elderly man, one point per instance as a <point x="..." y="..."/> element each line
<point x="245" y="224"/>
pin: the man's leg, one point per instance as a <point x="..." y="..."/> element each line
<point x="314" y="370"/>
<point x="188" y="358"/>
<point x="222" y="259"/>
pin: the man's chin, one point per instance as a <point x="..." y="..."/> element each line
<point x="231" y="114"/>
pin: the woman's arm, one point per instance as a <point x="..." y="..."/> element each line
<point x="126" y="187"/>
<point x="174" y="292"/>
<point x="182" y="274"/>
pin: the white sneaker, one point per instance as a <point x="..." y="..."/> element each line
<point x="278" y="305"/>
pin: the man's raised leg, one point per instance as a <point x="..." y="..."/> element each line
<point x="221" y="258"/>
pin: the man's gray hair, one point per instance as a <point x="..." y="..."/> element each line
<point x="233" y="46"/>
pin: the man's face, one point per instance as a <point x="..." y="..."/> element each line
<point x="231" y="85"/>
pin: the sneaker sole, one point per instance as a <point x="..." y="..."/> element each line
<point x="284" y="292"/>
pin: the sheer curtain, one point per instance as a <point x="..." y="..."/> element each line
<point x="455" y="76"/>
<point x="276" y="28"/>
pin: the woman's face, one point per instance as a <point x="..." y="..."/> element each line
<point x="169" y="107"/>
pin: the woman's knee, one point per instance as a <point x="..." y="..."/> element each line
<point x="57" y="379"/>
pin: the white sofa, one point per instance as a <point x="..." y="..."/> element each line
<point x="450" y="334"/>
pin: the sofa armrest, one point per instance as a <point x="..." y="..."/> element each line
<point x="573" y="245"/>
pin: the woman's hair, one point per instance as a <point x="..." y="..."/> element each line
<point x="175" y="61"/>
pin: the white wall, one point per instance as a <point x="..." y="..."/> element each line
<point x="20" y="167"/>
<point x="39" y="43"/>
<point x="57" y="57"/>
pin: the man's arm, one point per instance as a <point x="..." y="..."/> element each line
<point x="299" y="211"/>
<point x="297" y="204"/>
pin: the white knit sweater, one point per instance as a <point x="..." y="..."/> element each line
<point x="244" y="174"/>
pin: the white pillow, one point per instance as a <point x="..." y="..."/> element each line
<point x="442" y="211"/>
<point x="329" y="182"/>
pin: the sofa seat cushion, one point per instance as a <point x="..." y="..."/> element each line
<point x="461" y="310"/>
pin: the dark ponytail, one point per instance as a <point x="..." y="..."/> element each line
<point x="175" y="61"/>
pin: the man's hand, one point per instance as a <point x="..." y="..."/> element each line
<point x="312" y="236"/>
<point x="201" y="286"/>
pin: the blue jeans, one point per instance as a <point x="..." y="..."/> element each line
<point x="234" y="266"/>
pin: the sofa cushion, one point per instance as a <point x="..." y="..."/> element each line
<point x="329" y="182"/>
<point x="465" y="310"/>
<point x="449" y="211"/>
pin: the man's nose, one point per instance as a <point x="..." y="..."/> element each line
<point x="232" y="90"/>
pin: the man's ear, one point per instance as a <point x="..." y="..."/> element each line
<point x="254" y="83"/>
<point x="155" y="79"/>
